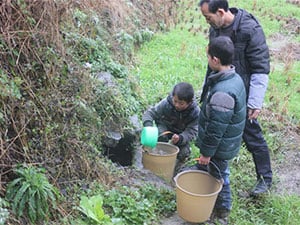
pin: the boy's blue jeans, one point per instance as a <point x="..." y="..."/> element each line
<point x="224" y="199"/>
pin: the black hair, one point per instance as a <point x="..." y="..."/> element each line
<point x="222" y="48"/>
<point x="184" y="91"/>
<point x="214" y="5"/>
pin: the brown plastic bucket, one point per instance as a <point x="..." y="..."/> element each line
<point x="196" y="194"/>
<point x="161" y="160"/>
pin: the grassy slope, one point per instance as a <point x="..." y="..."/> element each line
<point x="180" y="56"/>
<point x="274" y="16"/>
<point x="169" y="59"/>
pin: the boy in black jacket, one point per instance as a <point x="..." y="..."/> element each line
<point x="177" y="113"/>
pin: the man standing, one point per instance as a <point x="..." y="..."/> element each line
<point x="252" y="63"/>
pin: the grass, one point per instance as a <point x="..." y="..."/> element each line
<point x="284" y="90"/>
<point x="180" y="56"/>
<point x="170" y="59"/>
<point x="268" y="10"/>
<point x="267" y="210"/>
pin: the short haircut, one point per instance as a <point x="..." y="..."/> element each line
<point x="184" y="91"/>
<point x="222" y="48"/>
<point x="214" y="5"/>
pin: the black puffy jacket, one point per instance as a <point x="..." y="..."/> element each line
<point x="251" y="55"/>
<point x="167" y="118"/>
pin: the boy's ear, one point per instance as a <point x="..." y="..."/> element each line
<point x="216" y="60"/>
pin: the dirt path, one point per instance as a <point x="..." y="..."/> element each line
<point x="287" y="170"/>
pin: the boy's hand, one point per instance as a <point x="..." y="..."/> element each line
<point x="175" y="138"/>
<point x="203" y="160"/>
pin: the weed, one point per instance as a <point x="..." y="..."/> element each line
<point x="139" y="206"/>
<point x="31" y="193"/>
<point x="9" y="87"/>
<point x="92" y="208"/>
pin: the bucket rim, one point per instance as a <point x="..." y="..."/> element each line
<point x="168" y="155"/>
<point x="193" y="194"/>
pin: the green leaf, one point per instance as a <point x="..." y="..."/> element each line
<point x="11" y="189"/>
<point x="87" y="208"/>
<point x="92" y="208"/>
<point x="19" y="195"/>
<point x="22" y="205"/>
<point x="32" y="213"/>
<point x="32" y="204"/>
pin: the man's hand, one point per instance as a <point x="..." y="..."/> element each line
<point x="253" y="113"/>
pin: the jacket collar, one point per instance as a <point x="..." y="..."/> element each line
<point x="221" y="75"/>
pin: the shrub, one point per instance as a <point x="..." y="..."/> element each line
<point x="31" y="193"/>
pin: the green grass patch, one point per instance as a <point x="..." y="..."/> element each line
<point x="284" y="90"/>
<point x="168" y="59"/>
<point x="266" y="210"/>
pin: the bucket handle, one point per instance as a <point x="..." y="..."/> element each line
<point x="145" y="149"/>
<point x="166" y="132"/>
<point x="218" y="169"/>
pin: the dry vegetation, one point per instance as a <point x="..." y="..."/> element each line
<point x="41" y="81"/>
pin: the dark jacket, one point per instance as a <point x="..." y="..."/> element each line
<point x="167" y="118"/>
<point x="251" y="55"/>
<point x="222" y="116"/>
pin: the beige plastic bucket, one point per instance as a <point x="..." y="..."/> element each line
<point x="196" y="194"/>
<point x="161" y="160"/>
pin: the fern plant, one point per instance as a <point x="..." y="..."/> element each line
<point x="31" y="193"/>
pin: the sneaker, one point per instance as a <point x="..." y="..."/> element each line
<point x="222" y="221"/>
<point x="222" y="213"/>
<point x="219" y="216"/>
<point x="261" y="187"/>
